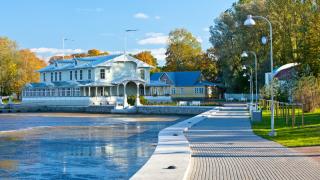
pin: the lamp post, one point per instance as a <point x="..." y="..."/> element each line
<point x="251" y="84"/>
<point x="63" y="41"/>
<point x="125" y="38"/>
<point x="244" y="55"/>
<point x="250" y="22"/>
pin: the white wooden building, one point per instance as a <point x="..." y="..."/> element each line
<point x="89" y="81"/>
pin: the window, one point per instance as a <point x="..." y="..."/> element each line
<point x="89" y="74"/>
<point x="102" y="73"/>
<point x="55" y="76"/>
<point x="60" y="76"/>
<point x="173" y="91"/>
<point x="44" y="77"/>
<point x="76" y="75"/>
<point x="142" y="74"/>
<point x="52" y="77"/>
<point x="181" y="90"/>
<point x="198" y="90"/>
<point x="80" y="74"/>
<point x="70" y="75"/>
<point x="68" y="93"/>
<point x="63" y="92"/>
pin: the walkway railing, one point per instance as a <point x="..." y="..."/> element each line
<point x="288" y="114"/>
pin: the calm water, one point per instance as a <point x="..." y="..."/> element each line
<point x="111" y="147"/>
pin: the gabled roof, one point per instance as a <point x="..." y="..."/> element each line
<point x="90" y="62"/>
<point x="179" y="78"/>
<point x="187" y="78"/>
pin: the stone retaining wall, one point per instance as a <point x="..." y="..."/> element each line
<point x="176" y="110"/>
<point x="71" y="109"/>
<point x="165" y="110"/>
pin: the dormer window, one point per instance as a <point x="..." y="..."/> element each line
<point x="75" y="62"/>
<point x="55" y="64"/>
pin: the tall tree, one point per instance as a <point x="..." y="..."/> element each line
<point x="28" y="63"/>
<point x="147" y="57"/>
<point x="183" y="51"/>
<point x="295" y="38"/>
<point x="207" y="64"/>
<point x="17" y="67"/>
<point x="8" y="65"/>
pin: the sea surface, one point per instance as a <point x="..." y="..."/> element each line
<point x="73" y="146"/>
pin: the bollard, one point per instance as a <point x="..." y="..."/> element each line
<point x="302" y="116"/>
<point x="293" y="116"/>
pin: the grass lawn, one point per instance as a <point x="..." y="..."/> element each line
<point x="299" y="136"/>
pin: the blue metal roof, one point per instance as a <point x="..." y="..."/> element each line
<point x="188" y="78"/>
<point x="57" y="84"/>
<point x="69" y="63"/>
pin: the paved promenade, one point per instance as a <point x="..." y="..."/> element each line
<point x="224" y="147"/>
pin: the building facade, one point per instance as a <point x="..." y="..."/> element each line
<point x="89" y="81"/>
<point x="184" y="85"/>
<point x="111" y="79"/>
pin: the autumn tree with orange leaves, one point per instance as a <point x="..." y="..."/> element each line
<point x="17" y="67"/>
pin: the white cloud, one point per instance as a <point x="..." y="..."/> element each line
<point x="159" y="53"/>
<point x="140" y="16"/>
<point x="46" y="53"/>
<point x="206" y="29"/>
<point x="199" y="39"/>
<point x="43" y="50"/>
<point x="157" y="17"/>
<point x="153" y="38"/>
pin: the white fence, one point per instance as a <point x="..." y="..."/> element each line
<point x="68" y="101"/>
<point x="238" y="97"/>
<point x="157" y="99"/>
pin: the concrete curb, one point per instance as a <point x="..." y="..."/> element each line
<point x="172" y="156"/>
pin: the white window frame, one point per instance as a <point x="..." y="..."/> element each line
<point x="102" y="73"/>
<point x="173" y="90"/>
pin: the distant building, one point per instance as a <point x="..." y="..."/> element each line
<point x="111" y="79"/>
<point x="184" y="85"/>
<point x="283" y="73"/>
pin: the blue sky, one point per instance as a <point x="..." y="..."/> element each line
<point x="41" y="24"/>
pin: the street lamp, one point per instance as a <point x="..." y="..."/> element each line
<point x="125" y="38"/>
<point x="245" y="55"/>
<point x="63" y="42"/>
<point x="251" y="83"/>
<point x="251" y="22"/>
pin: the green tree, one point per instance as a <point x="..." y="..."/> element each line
<point x="295" y="27"/>
<point x="17" y="67"/>
<point x="207" y="64"/>
<point x="183" y="51"/>
<point x="8" y="65"/>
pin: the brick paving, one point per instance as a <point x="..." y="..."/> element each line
<point x="224" y="147"/>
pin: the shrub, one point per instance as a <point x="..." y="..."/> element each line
<point x="280" y="91"/>
<point x="307" y="92"/>
<point x="131" y="100"/>
<point x="143" y="100"/>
